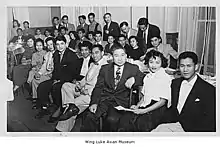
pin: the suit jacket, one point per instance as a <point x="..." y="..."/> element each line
<point x="152" y="30"/>
<point x="68" y="69"/>
<point x="70" y="27"/>
<point x="132" y="32"/>
<point x="113" y="29"/>
<point x="54" y="27"/>
<point x="105" y="88"/>
<point x="80" y="65"/>
<point x="90" y="79"/>
<point x="198" y="113"/>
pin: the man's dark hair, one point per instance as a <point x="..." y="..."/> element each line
<point x="85" y="44"/>
<point x="65" y="16"/>
<point x="143" y="21"/>
<point x="91" y="14"/>
<point x="188" y="54"/>
<point x="107" y="14"/>
<point x="26" y="22"/>
<point x="19" y="29"/>
<point x="121" y="35"/>
<point x="124" y="23"/>
<point x="60" y="38"/>
<point x="82" y="16"/>
<point x="50" y="38"/>
<point x="55" y="18"/>
<point x="98" y="32"/>
<point x="81" y="30"/>
<point x="98" y="46"/>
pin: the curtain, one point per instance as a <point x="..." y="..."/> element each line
<point x="21" y="14"/>
<point x="188" y="17"/>
<point x="9" y="22"/>
<point x="166" y="18"/>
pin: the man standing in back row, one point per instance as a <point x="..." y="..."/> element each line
<point x="111" y="27"/>
<point x="145" y="33"/>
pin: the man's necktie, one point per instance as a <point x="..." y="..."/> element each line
<point x="144" y="35"/>
<point x="118" y="76"/>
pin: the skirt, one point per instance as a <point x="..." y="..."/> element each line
<point x="131" y="122"/>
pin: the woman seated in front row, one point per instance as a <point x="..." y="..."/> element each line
<point x="156" y="93"/>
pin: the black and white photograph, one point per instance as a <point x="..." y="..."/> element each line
<point x="111" y="69"/>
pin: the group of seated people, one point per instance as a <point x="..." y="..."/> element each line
<point x="80" y="72"/>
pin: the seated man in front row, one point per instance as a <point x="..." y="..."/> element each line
<point x="193" y="101"/>
<point x="112" y="89"/>
<point x="77" y="96"/>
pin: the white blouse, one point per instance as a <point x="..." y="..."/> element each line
<point x="156" y="86"/>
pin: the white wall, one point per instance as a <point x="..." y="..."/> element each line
<point x="40" y="16"/>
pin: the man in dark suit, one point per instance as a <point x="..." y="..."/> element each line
<point x="112" y="90"/>
<point x="145" y="32"/>
<point x="82" y="24"/>
<point x="66" y="69"/>
<point x="111" y="27"/>
<point x="123" y="42"/>
<point x="56" y="24"/>
<point x="193" y="101"/>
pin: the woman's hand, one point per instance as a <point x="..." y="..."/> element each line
<point x="140" y="111"/>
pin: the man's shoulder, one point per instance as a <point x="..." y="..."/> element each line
<point x="131" y="66"/>
<point x="204" y="84"/>
<point x="177" y="81"/>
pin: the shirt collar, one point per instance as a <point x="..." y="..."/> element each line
<point x="191" y="82"/>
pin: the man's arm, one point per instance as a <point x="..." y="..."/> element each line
<point x="139" y="76"/>
<point x="208" y="122"/>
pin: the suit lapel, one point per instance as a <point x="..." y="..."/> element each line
<point x="176" y="91"/>
<point x="192" y="95"/>
<point x="111" y="76"/>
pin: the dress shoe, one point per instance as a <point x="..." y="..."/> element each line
<point x="55" y="130"/>
<point x="42" y="113"/>
<point x="72" y="110"/>
<point x="53" y="119"/>
<point x="55" y="116"/>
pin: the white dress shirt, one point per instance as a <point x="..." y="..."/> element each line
<point x="185" y="89"/>
<point x="146" y="33"/>
<point x="85" y="66"/>
<point x="156" y="86"/>
<point x="121" y="70"/>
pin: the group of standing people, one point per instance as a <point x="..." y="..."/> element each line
<point x="75" y="72"/>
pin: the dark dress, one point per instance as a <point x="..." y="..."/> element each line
<point x="131" y="122"/>
<point x="72" y="44"/>
<point x="135" y="53"/>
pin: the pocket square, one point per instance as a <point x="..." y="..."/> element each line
<point x="197" y="100"/>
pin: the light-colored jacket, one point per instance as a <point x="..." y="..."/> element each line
<point x="89" y="81"/>
<point x="48" y="65"/>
